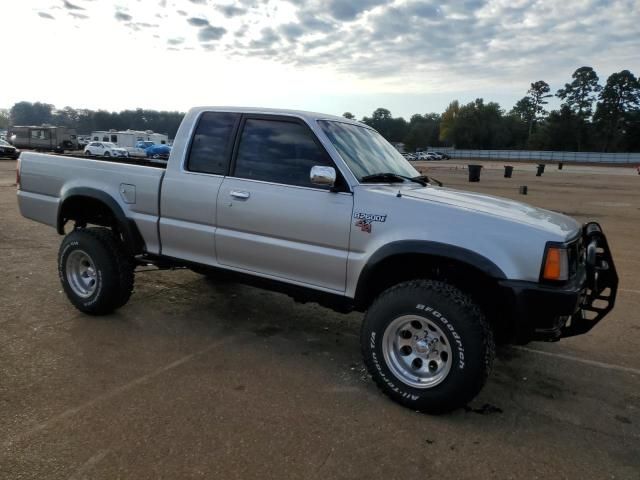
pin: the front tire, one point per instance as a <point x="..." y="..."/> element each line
<point x="427" y="346"/>
<point x="95" y="271"/>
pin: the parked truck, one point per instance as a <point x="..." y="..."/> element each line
<point x="324" y="209"/>
<point x="48" y="138"/>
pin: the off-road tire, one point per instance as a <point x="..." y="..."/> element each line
<point x="466" y="330"/>
<point x="114" y="270"/>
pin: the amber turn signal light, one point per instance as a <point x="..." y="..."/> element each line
<point x="556" y="265"/>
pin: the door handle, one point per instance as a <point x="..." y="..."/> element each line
<point x="240" y="195"/>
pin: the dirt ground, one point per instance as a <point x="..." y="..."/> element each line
<point x="199" y="380"/>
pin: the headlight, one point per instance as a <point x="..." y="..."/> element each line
<point x="556" y="264"/>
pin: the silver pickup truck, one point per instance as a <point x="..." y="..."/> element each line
<point x="326" y="210"/>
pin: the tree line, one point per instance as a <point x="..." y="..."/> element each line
<point x="86" y="121"/>
<point x="591" y="117"/>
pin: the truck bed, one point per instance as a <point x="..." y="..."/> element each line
<point x="46" y="180"/>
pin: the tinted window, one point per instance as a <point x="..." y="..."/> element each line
<point x="212" y="143"/>
<point x="278" y="152"/>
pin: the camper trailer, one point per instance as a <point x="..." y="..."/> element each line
<point x="45" y="137"/>
<point x="129" y="138"/>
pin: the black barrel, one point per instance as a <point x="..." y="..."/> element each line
<point x="540" y="170"/>
<point x="523" y="190"/>
<point x="560" y="166"/>
<point x="474" y="173"/>
<point x="508" y="171"/>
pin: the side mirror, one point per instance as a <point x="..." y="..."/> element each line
<point x="324" y="176"/>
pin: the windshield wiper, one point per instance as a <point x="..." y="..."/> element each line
<point x="428" y="179"/>
<point x="396" y="177"/>
<point x="392" y="178"/>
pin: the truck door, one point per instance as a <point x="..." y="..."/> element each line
<point x="190" y="188"/>
<point x="271" y="219"/>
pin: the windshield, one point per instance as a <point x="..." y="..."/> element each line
<point x="2" y="142"/>
<point x="365" y="151"/>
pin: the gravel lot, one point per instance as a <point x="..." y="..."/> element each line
<point x="194" y="379"/>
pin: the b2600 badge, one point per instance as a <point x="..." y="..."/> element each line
<point x="364" y="220"/>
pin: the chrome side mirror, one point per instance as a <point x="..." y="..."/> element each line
<point x="324" y="176"/>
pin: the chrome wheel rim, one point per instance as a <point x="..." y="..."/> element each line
<point x="417" y="351"/>
<point x="81" y="273"/>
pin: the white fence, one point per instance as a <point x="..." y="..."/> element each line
<point x="542" y="156"/>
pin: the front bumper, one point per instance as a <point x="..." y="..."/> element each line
<point x="550" y="312"/>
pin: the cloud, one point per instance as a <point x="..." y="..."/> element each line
<point x="70" y="6"/>
<point x="349" y="10"/>
<point x="230" y="11"/>
<point x="292" y="31"/>
<point x="209" y="33"/>
<point x="198" y="22"/>
<point x="123" y="17"/>
<point x="79" y="16"/>
<point x="137" y="26"/>
<point x="267" y="40"/>
<point x="405" y="45"/>
<point x="46" y="15"/>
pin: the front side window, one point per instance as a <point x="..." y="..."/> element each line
<point x="365" y="151"/>
<point x="212" y="143"/>
<point x="279" y="152"/>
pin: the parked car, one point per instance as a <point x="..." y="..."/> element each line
<point x="326" y="210"/>
<point x="158" y="151"/>
<point x="140" y="149"/>
<point x="83" y="142"/>
<point x="427" y="156"/>
<point x="443" y="156"/>
<point x="434" y="155"/>
<point x="8" y="150"/>
<point x="105" y="149"/>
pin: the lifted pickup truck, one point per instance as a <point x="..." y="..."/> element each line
<point x="324" y="209"/>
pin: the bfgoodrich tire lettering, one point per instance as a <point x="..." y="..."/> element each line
<point x="111" y="268"/>
<point x="460" y="325"/>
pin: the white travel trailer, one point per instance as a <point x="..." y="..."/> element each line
<point x="129" y="138"/>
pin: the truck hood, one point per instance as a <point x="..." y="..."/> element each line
<point x="552" y="222"/>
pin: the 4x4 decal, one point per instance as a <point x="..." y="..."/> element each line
<point x="364" y="220"/>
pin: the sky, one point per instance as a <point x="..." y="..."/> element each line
<point x="332" y="56"/>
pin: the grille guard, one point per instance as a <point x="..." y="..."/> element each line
<point x="601" y="276"/>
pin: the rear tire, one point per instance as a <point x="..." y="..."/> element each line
<point x="427" y="346"/>
<point x="106" y="154"/>
<point x="95" y="271"/>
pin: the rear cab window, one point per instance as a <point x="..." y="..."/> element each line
<point x="212" y="143"/>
